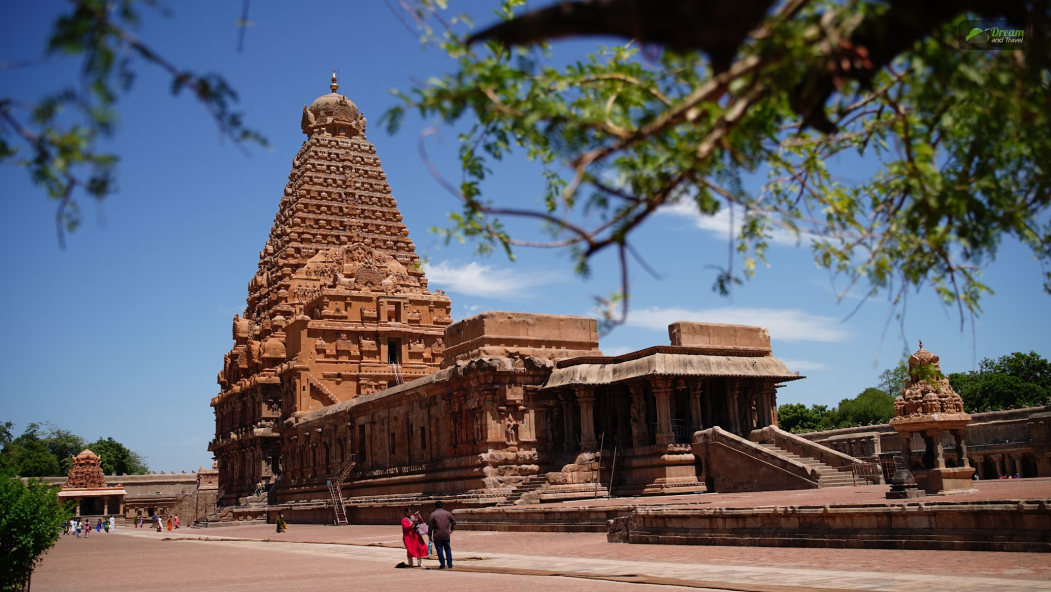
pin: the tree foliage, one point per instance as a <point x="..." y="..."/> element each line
<point x="871" y="406"/>
<point x="31" y="520"/>
<point x="962" y="139"/>
<point x="1015" y="380"/>
<point x="797" y="417"/>
<point x="892" y="380"/>
<point x="46" y="451"/>
<point x="117" y="459"/>
<point x="56" y="138"/>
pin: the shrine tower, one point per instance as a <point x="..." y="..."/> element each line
<point x="339" y="305"/>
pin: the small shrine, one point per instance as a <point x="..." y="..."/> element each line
<point x="930" y="408"/>
<point x="86" y="484"/>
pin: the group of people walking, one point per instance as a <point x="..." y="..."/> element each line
<point x="437" y="529"/>
<point x="79" y="526"/>
<point x="158" y="522"/>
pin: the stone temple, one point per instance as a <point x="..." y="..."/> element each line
<point x="348" y="380"/>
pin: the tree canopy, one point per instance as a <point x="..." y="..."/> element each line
<point x="754" y="89"/>
<point x="871" y="406"/>
<point x="1015" y="380"/>
<point x="46" y="451"/>
<point x="31" y="519"/>
<point x="117" y="459"/>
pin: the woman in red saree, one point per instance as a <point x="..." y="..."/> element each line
<point x="415" y="547"/>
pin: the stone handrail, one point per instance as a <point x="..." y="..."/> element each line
<point x="803" y="447"/>
<point x="716" y="435"/>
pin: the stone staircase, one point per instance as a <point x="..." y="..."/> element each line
<point x="830" y="476"/>
<point x="531" y="484"/>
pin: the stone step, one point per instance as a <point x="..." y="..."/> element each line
<point x="828" y="476"/>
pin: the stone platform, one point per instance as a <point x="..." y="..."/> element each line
<point x="1003" y="515"/>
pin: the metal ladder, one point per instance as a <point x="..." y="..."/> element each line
<point x="335" y="488"/>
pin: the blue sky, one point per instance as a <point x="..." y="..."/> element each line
<point x="122" y="334"/>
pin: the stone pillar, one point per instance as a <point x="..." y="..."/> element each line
<point x="1043" y="464"/>
<point x="78" y="506"/>
<point x="979" y="466"/>
<point x="935" y="445"/>
<point x="586" y="399"/>
<point x="492" y="430"/>
<point x="696" y="390"/>
<point x="877" y="446"/>
<point x="105" y="505"/>
<point x="732" y="392"/>
<point x="1017" y="458"/>
<point x="766" y="413"/>
<point x="708" y="401"/>
<point x="996" y="458"/>
<point x="662" y="394"/>
<point x="638" y="414"/>
<point x="906" y="449"/>
<point x="568" y="442"/>
<point x="961" y="448"/>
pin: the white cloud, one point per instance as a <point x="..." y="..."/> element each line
<point x="796" y="365"/>
<point x="719" y="224"/>
<point x="785" y="324"/>
<point x="475" y="279"/>
<point x="472" y="308"/>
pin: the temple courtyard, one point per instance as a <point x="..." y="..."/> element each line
<point x="317" y="557"/>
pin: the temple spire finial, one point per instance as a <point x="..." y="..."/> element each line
<point x="921" y="344"/>
<point x="335" y="85"/>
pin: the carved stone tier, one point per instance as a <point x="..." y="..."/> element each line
<point x="929" y="407"/>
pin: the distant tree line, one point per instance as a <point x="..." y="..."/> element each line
<point x="44" y="450"/>
<point x="1014" y="380"/>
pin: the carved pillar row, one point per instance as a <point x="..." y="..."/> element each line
<point x="586" y="400"/>
<point x="1017" y="458"/>
<point x="733" y="393"/>
<point x="996" y="458"/>
<point x="638" y="414"/>
<point x="568" y="442"/>
<point x="696" y="390"/>
<point x="662" y="394"/>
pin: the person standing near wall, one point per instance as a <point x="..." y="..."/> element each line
<point x="442" y="525"/>
<point x="415" y="548"/>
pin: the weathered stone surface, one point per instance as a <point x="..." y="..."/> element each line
<point x="720" y="336"/>
<point x="508" y="334"/>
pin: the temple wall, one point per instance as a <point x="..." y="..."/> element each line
<point x="1009" y="442"/>
<point x="469" y="427"/>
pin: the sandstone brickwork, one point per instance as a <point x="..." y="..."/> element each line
<point x="339" y="305"/>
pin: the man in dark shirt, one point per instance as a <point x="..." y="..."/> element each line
<point x="442" y="525"/>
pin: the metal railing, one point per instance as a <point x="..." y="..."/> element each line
<point x="867" y="471"/>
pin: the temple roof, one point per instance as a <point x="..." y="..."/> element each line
<point x="663" y="361"/>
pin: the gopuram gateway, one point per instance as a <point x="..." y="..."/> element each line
<point x="348" y="380"/>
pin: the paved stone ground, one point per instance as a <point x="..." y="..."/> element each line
<point x="315" y="557"/>
<point x="141" y="563"/>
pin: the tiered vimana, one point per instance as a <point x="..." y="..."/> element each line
<point x="339" y="306"/>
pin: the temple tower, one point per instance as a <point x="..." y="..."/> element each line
<point x="339" y="305"/>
